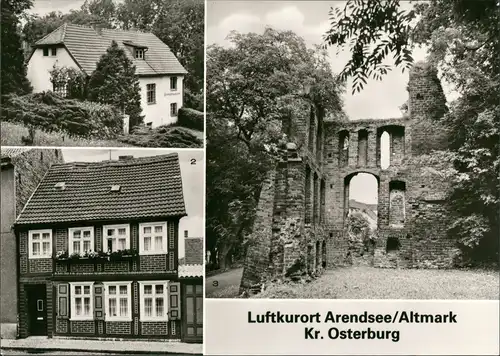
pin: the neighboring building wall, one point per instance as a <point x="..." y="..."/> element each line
<point x="159" y="113"/>
<point x="40" y="66"/>
<point x="56" y="275"/>
<point x="288" y="231"/>
<point x="19" y="180"/>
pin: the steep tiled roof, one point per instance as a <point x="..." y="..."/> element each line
<point x="87" y="45"/>
<point x="193" y="247"/>
<point x="150" y="187"/>
<point x="13" y="152"/>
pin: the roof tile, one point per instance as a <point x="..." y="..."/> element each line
<point x="150" y="187"/>
<point x="87" y="45"/>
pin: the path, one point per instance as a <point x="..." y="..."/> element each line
<point x="225" y="280"/>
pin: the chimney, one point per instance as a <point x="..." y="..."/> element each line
<point x="125" y="158"/>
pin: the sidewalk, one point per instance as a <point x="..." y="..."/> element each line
<point x="41" y="343"/>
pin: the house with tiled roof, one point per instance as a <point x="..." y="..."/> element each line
<point x="80" y="47"/>
<point x="99" y="251"/>
<point x="21" y="171"/>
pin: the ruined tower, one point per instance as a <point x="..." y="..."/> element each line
<point x="301" y="221"/>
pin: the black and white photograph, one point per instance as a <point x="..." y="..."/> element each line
<point x="101" y="251"/>
<point x="113" y="73"/>
<point x="352" y="150"/>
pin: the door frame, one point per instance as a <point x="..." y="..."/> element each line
<point x="35" y="291"/>
<point x="194" y="283"/>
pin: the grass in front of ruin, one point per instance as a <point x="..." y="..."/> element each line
<point x="378" y="283"/>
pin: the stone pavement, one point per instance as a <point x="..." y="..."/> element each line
<point x="42" y="343"/>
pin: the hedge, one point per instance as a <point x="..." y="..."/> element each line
<point x="191" y="118"/>
<point x="49" y="112"/>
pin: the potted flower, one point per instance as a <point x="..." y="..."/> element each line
<point x="61" y="255"/>
<point x="74" y="256"/>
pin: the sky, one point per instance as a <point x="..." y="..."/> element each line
<point x="192" y="180"/>
<point x="43" y="7"/>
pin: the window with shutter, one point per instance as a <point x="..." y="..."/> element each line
<point x="63" y="301"/>
<point x="175" y="301"/>
<point x="98" y="301"/>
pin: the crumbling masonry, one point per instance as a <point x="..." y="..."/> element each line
<point x="300" y="225"/>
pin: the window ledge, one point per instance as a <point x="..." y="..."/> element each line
<point x="153" y="103"/>
<point x="39" y="257"/>
<point x="144" y="319"/>
<point x="152" y="253"/>
<point x="118" y="319"/>
<point x="82" y="318"/>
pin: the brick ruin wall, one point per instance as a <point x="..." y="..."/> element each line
<point x="301" y="219"/>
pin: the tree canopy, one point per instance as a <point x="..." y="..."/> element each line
<point x="463" y="41"/>
<point x="114" y="82"/>
<point x="13" y="71"/>
<point x="252" y="86"/>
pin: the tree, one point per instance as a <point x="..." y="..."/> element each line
<point x="13" y="72"/>
<point x="463" y="38"/>
<point x="114" y="82"/>
<point x="251" y="87"/>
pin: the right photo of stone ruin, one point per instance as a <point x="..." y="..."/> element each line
<point x="352" y="159"/>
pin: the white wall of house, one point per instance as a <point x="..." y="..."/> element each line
<point x="158" y="113"/>
<point x="39" y="67"/>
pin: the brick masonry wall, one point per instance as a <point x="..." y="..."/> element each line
<point x="118" y="327"/>
<point x="154" y="328"/>
<point x="153" y="263"/>
<point x="40" y="265"/>
<point x="82" y="326"/>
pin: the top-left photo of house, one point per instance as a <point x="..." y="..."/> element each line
<point x="103" y="73"/>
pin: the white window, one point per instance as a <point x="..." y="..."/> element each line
<point x="118" y="301"/>
<point x="154" y="300"/>
<point x="173" y="83"/>
<point x="173" y="109"/>
<point x="81" y="240"/>
<point x="40" y="243"/>
<point x="153" y="238"/>
<point x="82" y="297"/>
<point x="116" y="237"/>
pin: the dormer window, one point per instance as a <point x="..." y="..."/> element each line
<point x="139" y="53"/>
<point x="60" y="186"/>
<point x="52" y="51"/>
<point x="115" y="188"/>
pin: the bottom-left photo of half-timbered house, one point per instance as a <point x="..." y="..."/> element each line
<point x="102" y="243"/>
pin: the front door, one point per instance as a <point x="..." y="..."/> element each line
<point x="193" y="313"/>
<point x="37" y="309"/>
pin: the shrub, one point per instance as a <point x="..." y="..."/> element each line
<point x="50" y="112"/>
<point x="162" y="136"/>
<point x="191" y="118"/>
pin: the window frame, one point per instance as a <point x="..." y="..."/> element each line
<point x="142" y="297"/>
<point x="152" y="92"/>
<point x="30" y="243"/>
<point x="176" y="110"/>
<point x="173" y="83"/>
<point x="71" y="241"/>
<point x="105" y="229"/>
<point x="72" y="297"/>
<point x="164" y="240"/>
<point x="53" y="51"/>
<point x="139" y="51"/>
<point x="46" y="51"/>
<point x="106" y="286"/>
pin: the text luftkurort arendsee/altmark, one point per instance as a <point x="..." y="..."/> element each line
<point x="336" y="332"/>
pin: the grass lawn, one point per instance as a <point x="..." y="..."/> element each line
<point x="374" y="283"/>
<point x="11" y="135"/>
<point x="378" y="283"/>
